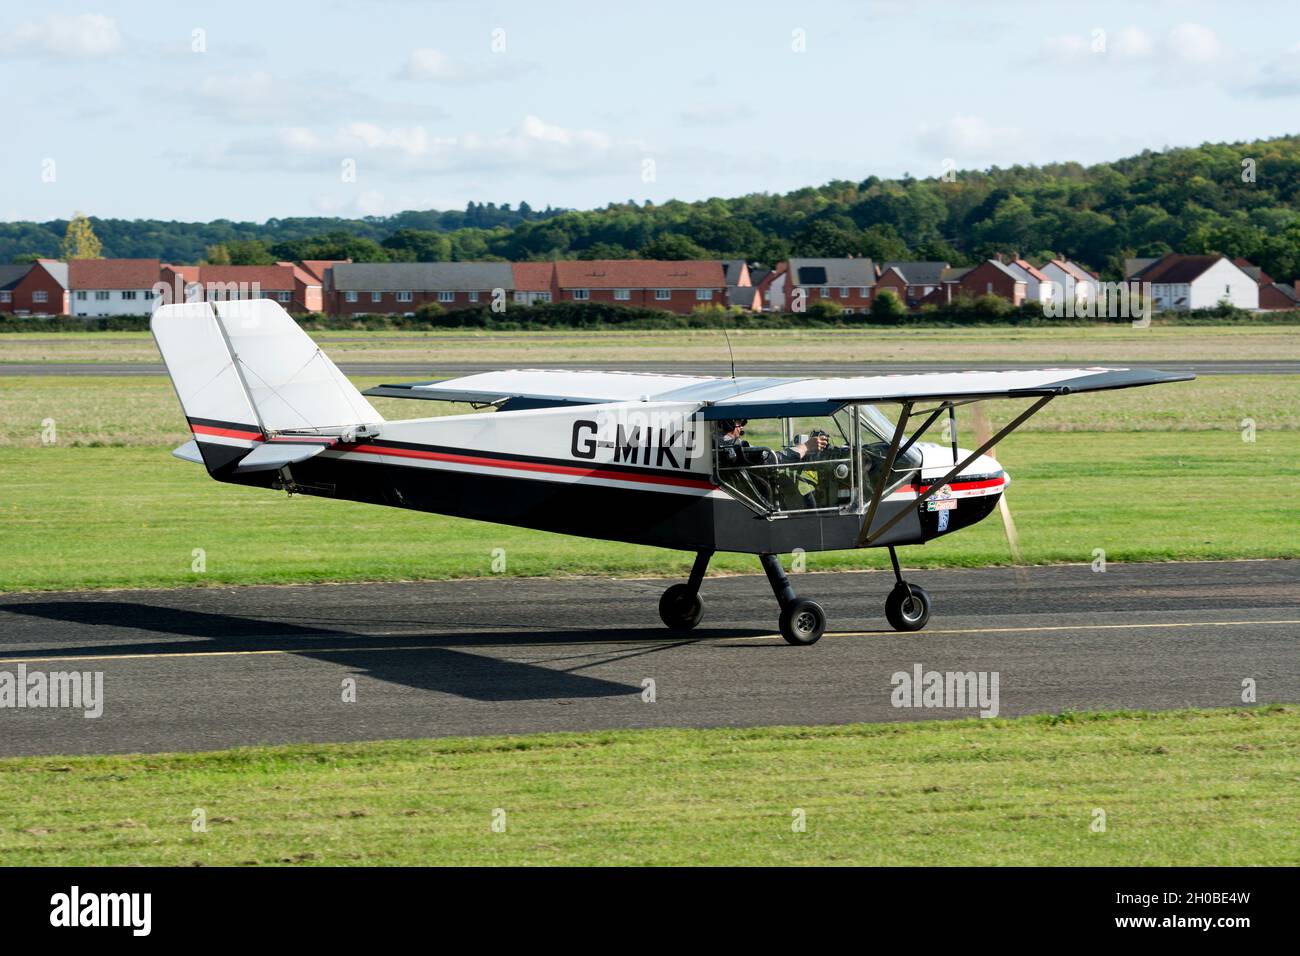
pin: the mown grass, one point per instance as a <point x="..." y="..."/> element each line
<point x="1188" y="788"/>
<point x="1119" y="344"/>
<point x="132" y="517"/>
<point x="143" y="410"/>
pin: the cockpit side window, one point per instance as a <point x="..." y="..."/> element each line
<point x="787" y="466"/>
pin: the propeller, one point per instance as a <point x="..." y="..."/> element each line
<point x="980" y="419"/>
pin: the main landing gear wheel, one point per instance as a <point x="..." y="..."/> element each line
<point x="802" y="622"/>
<point x="681" y="607"/>
<point x="907" y="607"/>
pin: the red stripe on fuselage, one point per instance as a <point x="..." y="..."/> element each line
<point x="225" y="432"/>
<point x="956" y="486"/>
<point x="576" y="470"/>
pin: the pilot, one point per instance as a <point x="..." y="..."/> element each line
<point x="732" y="439"/>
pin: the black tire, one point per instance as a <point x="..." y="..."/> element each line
<point x="680" y="608"/>
<point x="802" y="622"/>
<point x="907" y="607"/>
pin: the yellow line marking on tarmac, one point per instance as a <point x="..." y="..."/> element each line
<point x="1032" y="630"/>
<point x="365" y="648"/>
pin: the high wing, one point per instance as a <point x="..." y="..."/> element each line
<point x="753" y="397"/>
<point x="518" y="389"/>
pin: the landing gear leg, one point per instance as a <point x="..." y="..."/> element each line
<point x="681" y="607"/>
<point x="802" y="622"/>
<point x="908" y="605"/>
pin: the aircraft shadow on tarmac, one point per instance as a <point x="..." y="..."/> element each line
<point x="421" y="661"/>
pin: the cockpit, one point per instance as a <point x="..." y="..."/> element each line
<point x="803" y="465"/>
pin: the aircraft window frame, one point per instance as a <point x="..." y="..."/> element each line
<point x="856" y="424"/>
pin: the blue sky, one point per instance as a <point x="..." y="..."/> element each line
<point x="247" y="110"/>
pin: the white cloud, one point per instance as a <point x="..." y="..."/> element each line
<point x="428" y="65"/>
<point x="533" y="147"/>
<point x="83" y="35"/>
<point x="259" y="97"/>
<point x="969" y="139"/>
<point x="1279" y="77"/>
<point x="1195" y="44"/>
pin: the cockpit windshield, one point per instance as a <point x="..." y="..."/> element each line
<point x="805" y="464"/>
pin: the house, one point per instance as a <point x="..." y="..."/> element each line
<point x="10" y="276"/>
<point x="1180" y="283"/>
<point x="672" y="285"/>
<point x="850" y="282"/>
<point x="533" y="282"/>
<point x="310" y="278"/>
<point x="1071" y="283"/>
<point x="1278" y="296"/>
<point x="910" y="281"/>
<point x="104" y="287"/>
<point x="990" y="277"/>
<point x="223" y="283"/>
<point x="357" y="288"/>
<point x="1038" y="288"/>
<point x="41" y="290"/>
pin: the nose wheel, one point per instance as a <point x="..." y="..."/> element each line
<point x="908" y="606"/>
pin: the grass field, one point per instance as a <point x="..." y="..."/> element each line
<point x="1122" y="344"/>
<point x="107" y="505"/>
<point x="1177" y="789"/>
<point x="131" y="517"/>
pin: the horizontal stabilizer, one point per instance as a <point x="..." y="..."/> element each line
<point x="274" y="455"/>
<point x="189" y="452"/>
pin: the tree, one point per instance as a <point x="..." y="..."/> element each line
<point x="79" y="241"/>
<point x="887" y="304"/>
<point x="419" y="245"/>
<point x="217" y="255"/>
<point x="671" y="246"/>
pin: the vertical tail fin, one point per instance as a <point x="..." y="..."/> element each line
<point x="245" y="372"/>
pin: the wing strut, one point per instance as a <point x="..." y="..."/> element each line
<point x="866" y="537"/>
<point x="886" y="470"/>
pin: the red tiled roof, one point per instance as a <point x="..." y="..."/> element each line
<point x="641" y="274"/>
<point x="113" y="273"/>
<point x="1031" y="270"/>
<point x="1176" y="269"/>
<point x="317" y="267"/>
<point x="532" y="276"/>
<point x="266" y="277"/>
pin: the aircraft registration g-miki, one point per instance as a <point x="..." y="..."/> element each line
<point x="760" y="466"/>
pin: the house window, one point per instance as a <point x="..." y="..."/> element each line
<point x="824" y="292"/>
<point x="376" y="297"/>
<point x="404" y="296"/>
<point x="447" y="296"/>
<point x="101" y="296"/>
<point x="990" y="288"/>
<point x="622" y="295"/>
<point x="147" y="294"/>
<point x="128" y="294"/>
<point x="6" y="296"/>
<point x="864" y="292"/>
<point x="703" y="295"/>
<point x="844" y="292"/>
<point x="663" y="295"/>
<point x="543" y="297"/>
<point x="283" y="296"/>
<point x="473" y="296"/>
<point x="81" y="296"/>
<point x="40" y="296"/>
<point x="581" y="295"/>
<point x="521" y="296"/>
<point x="350" y="296"/>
